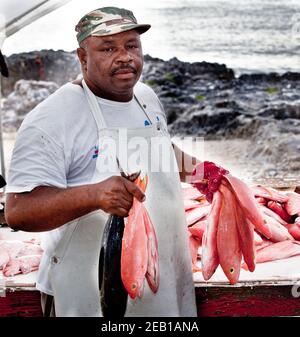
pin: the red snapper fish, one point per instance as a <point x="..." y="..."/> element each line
<point x="268" y="193"/>
<point x="198" y="229"/>
<point x="210" y="258"/>
<point x="152" y="273"/>
<point x="292" y="205"/>
<point x="243" y="222"/>
<point x="11" y="251"/>
<point x="280" y="210"/>
<point x="194" y="244"/>
<point x="23" y="264"/>
<point x="228" y="245"/>
<point x="250" y="207"/>
<point x="139" y="257"/>
<point x="4" y="257"/>
<point x="16" y="248"/>
<point x="278" y="250"/>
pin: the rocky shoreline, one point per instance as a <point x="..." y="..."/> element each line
<point x="200" y="99"/>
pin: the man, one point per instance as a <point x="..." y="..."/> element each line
<point x="57" y="182"/>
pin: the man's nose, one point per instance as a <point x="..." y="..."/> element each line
<point x="124" y="55"/>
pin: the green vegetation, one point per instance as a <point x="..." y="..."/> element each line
<point x="169" y="77"/>
<point x="272" y="90"/>
<point x="152" y="83"/>
<point x="200" y="97"/>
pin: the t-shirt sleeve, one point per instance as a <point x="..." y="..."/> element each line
<point x="37" y="160"/>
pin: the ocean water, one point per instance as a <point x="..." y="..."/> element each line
<point x="246" y="35"/>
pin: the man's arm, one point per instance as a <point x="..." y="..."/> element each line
<point x="186" y="163"/>
<point x="46" y="208"/>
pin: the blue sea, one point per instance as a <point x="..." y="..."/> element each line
<point x="246" y="35"/>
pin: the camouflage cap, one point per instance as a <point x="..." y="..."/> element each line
<point x="107" y="21"/>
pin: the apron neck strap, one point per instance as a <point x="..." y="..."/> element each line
<point x="94" y="106"/>
<point x="96" y="109"/>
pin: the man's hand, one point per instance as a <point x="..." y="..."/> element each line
<point x="46" y="208"/>
<point x="207" y="177"/>
<point x="116" y="195"/>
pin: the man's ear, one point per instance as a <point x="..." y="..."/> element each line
<point x="81" y="53"/>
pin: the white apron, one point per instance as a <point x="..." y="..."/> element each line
<point x="74" y="265"/>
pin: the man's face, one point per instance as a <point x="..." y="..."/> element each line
<point x="112" y="64"/>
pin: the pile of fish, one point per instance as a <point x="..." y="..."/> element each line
<point x="238" y="226"/>
<point x="19" y="257"/>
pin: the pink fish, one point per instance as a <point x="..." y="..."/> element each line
<point x="228" y="244"/>
<point x="268" y="193"/>
<point x="23" y="264"/>
<point x="280" y="210"/>
<point x="134" y="255"/>
<point x="257" y="239"/>
<point x="246" y="235"/>
<point x="277" y="251"/>
<point x="139" y="256"/>
<point x="194" y="244"/>
<point x="4" y="257"/>
<point x="261" y="200"/>
<point x="12" y="247"/>
<point x="198" y="228"/>
<point x="152" y="273"/>
<point x="294" y="230"/>
<point x="191" y="193"/>
<point x="36" y="241"/>
<point x="292" y="205"/>
<point x="264" y="244"/>
<point x="210" y="258"/>
<point x="196" y="214"/>
<point x="244" y="227"/>
<point x="190" y="204"/>
<point x="247" y="201"/>
<point x="273" y="215"/>
<point x="278" y="231"/>
<point x="16" y="248"/>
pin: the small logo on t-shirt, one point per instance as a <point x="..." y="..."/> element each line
<point x="95" y="152"/>
<point x="146" y="123"/>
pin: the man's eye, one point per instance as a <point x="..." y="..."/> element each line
<point x="131" y="46"/>
<point x="108" y="50"/>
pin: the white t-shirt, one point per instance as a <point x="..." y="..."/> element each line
<point x="57" y="146"/>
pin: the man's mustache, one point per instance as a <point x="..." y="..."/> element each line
<point x="124" y="67"/>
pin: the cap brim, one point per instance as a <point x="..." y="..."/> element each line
<point x="141" y="28"/>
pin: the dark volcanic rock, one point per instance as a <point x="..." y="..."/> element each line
<point x="26" y="95"/>
<point x="200" y="98"/>
<point x="45" y="65"/>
